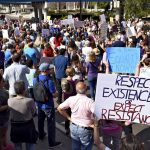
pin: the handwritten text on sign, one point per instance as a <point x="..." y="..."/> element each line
<point x="123" y="98"/>
<point x="123" y="59"/>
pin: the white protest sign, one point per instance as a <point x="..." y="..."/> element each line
<point x="69" y="16"/>
<point x="5" y="33"/>
<point x="103" y="18"/>
<point x="123" y="98"/>
<point x="50" y="22"/>
<point x="45" y="32"/>
<point x="131" y="32"/>
<point x="34" y="26"/>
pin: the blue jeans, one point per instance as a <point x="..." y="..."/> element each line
<point x="29" y="146"/>
<point x="82" y="139"/>
<point x="92" y="84"/>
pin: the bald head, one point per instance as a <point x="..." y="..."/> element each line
<point x="81" y="87"/>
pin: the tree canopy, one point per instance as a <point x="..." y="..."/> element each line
<point x="136" y="8"/>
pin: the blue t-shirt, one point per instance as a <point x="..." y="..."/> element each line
<point x="60" y="62"/>
<point x="31" y="53"/>
<point x="50" y="85"/>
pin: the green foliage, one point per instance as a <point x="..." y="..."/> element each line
<point x="136" y="8"/>
<point x="102" y="5"/>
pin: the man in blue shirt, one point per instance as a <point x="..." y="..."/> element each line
<point x="47" y="110"/>
<point x="60" y="62"/>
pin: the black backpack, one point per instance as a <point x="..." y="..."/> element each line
<point x="40" y="91"/>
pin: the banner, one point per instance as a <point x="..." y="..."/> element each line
<point x="123" y="98"/>
<point x="78" y="24"/>
<point x="123" y="59"/>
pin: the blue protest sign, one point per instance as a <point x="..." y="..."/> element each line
<point x="123" y="59"/>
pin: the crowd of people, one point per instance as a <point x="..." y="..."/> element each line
<point x="37" y="70"/>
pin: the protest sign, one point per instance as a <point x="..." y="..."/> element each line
<point x="131" y="32"/>
<point x="103" y="33"/>
<point x="123" y="59"/>
<point x="5" y="33"/>
<point x="102" y="18"/>
<point x="123" y="98"/>
<point x="50" y="22"/>
<point x="48" y="18"/>
<point x="69" y="16"/>
<point x="34" y="26"/>
<point x="69" y="22"/>
<point x="45" y="32"/>
<point x="111" y="19"/>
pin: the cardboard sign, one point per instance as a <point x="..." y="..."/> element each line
<point x="123" y="59"/>
<point x="45" y="32"/>
<point x="123" y="98"/>
<point x="5" y="33"/>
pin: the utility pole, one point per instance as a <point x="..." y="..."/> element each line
<point x="80" y="9"/>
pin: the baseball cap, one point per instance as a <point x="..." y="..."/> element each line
<point x="44" y="67"/>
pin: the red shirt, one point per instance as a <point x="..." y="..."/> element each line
<point x="48" y="52"/>
<point x="57" y="41"/>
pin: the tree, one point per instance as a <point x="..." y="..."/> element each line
<point x="136" y="8"/>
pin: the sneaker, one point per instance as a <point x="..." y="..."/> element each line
<point x="42" y="137"/>
<point x="56" y="144"/>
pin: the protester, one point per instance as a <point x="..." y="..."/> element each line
<point x="22" y="112"/>
<point x="81" y="119"/>
<point x="15" y="72"/>
<point x="60" y="62"/>
<point x="68" y="88"/>
<point x="46" y="109"/>
<point x="92" y="67"/>
<point x="4" y="116"/>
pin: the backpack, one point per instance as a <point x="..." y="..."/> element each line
<point x="40" y="91"/>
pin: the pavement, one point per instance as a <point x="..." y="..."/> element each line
<point x="142" y="132"/>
